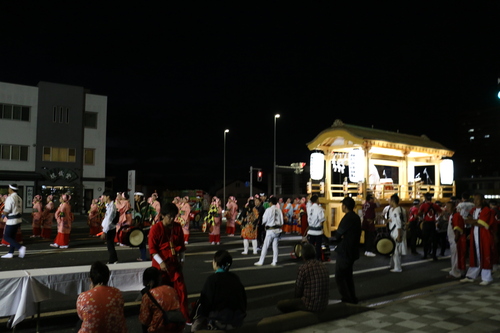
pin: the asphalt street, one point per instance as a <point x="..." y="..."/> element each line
<point x="265" y="285"/>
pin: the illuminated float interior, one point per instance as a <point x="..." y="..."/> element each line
<point x="349" y="160"/>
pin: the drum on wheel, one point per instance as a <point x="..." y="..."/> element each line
<point x="385" y="245"/>
<point x="131" y="236"/>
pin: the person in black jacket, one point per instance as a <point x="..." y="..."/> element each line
<point x="223" y="300"/>
<point x="261" y="230"/>
<point x="349" y="233"/>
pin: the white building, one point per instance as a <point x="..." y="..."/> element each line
<point x="52" y="141"/>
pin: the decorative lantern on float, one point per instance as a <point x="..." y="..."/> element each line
<point x="447" y="172"/>
<point x="317" y="165"/>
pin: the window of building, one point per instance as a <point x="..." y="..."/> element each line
<point x="90" y="119"/>
<point x="14" y="112"/>
<point x="14" y="152"/>
<point x="60" y="114"/>
<point x="89" y="156"/>
<point x="55" y="154"/>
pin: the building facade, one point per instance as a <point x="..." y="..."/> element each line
<point x="477" y="136"/>
<point x="53" y="141"/>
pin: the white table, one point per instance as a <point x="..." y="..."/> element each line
<point x="21" y="291"/>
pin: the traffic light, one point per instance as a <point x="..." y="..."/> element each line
<point x="498" y="87"/>
<point x="259" y="176"/>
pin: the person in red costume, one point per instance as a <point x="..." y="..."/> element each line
<point x="37" y="216"/>
<point x="183" y="217"/>
<point x="48" y="217"/>
<point x="64" y="218"/>
<point x="166" y="246"/>
<point x="94" y="219"/>
<point x="481" y="242"/>
<point x="303" y="216"/>
<point x="457" y="240"/>
<point x="231" y="215"/>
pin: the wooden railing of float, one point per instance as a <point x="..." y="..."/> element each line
<point x="384" y="191"/>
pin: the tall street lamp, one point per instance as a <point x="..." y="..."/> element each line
<point x="224" y="177"/>
<point x="276" y="116"/>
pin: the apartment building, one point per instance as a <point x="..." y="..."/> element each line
<point x="53" y="141"/>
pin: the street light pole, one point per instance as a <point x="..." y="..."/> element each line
<point x="224" y="177"/>
<point x="276" y="116"/>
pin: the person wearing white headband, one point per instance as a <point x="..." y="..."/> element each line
<point x="13" y="210"/>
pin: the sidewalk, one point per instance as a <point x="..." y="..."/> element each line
<point x="450" y="307"/>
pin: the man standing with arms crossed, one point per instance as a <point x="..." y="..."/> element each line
<point x="315" y="219"/>
<point x="13" y="209"/>
<point x="349" y="233"/>
<point x="273" y="221"/>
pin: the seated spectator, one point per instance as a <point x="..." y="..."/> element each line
<point x="101" y="307"/>
<point x="151" y="315"/>
<point x="223" y="301"/>
<point x="311" y="287"/>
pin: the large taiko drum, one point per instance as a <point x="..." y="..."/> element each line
<point x="131" y="236"/>
<point x="385" y="245"/>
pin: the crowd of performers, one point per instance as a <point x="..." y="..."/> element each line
<point x="249" y="218"/>
<point x="147" y="212"/>
<point x="469" y="228"/>
<point x="43" y="216"/>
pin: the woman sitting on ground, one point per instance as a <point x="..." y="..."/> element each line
<point x="101" y="307"/>
<point x="223" y="300"/>
<point x="151" y="316"/>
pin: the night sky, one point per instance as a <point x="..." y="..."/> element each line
<point x="177" y="77"/>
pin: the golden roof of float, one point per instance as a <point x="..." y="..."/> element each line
<point x="341" y="137"/>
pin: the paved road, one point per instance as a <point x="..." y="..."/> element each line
<point x="265" y="285"/>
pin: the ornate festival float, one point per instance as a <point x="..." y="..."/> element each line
<point x="349" y="160"/>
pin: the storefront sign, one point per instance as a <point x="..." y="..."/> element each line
<point x="28" y="203"/>
<point x="58" y="173"/>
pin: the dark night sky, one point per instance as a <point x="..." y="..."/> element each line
<point x="176" y="77"/>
